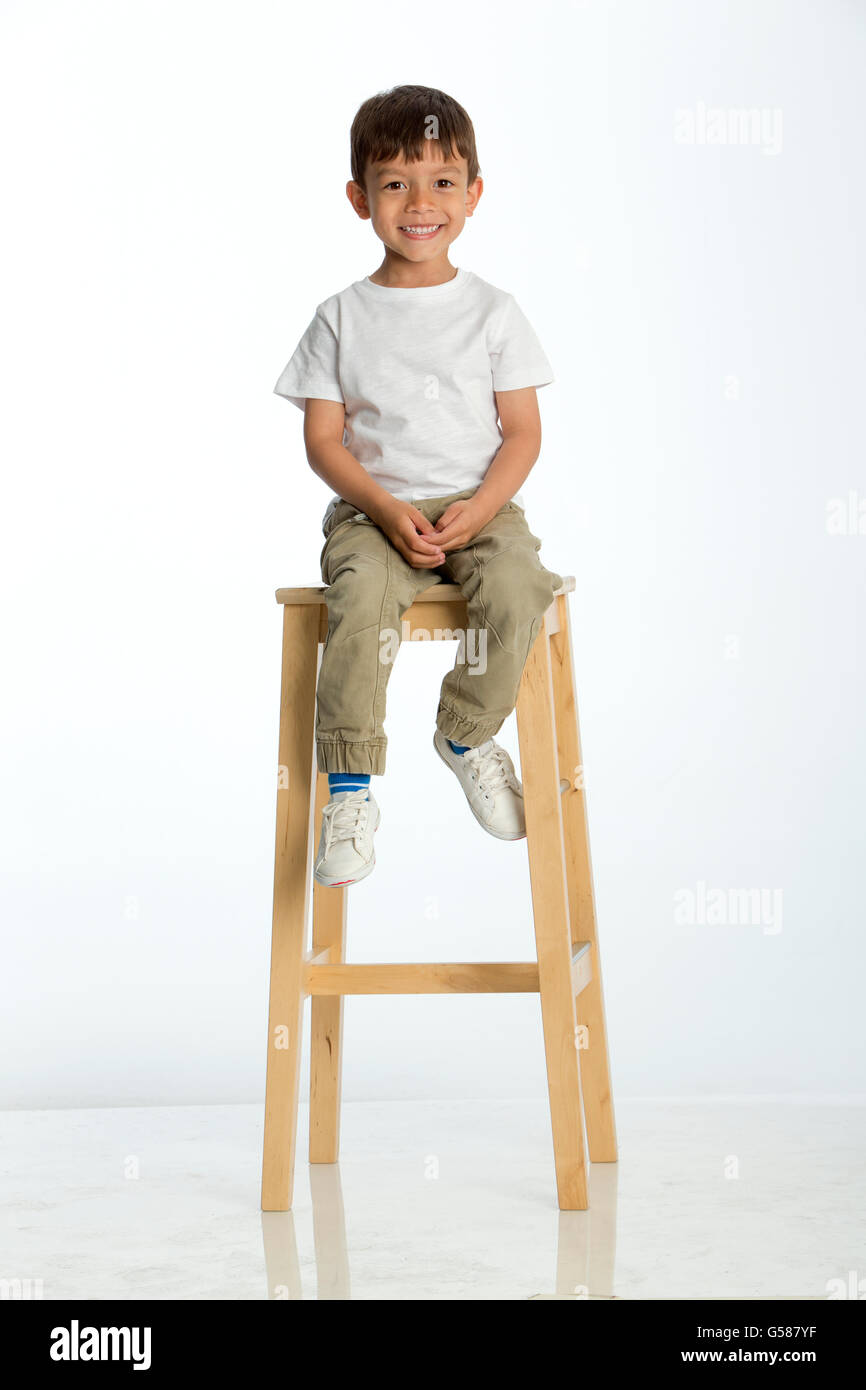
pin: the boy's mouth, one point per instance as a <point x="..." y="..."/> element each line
<point x="421" y="232"/>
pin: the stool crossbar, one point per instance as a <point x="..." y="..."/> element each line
<point x="566" y="973"/>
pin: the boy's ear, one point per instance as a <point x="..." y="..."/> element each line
<point x="473" y="193"/>
<point x="358" y="198"/>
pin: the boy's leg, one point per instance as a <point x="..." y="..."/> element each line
<point x="508" y="590"/>
<point x="370" y="587"/>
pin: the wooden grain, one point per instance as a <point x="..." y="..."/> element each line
<point x="292" y="878"/>
<point x="594" y="1059"/>
<point x="544" y="838"/>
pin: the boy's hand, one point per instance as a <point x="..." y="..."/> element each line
<point x="459" y="523"/>
<point x="408" y="530"/>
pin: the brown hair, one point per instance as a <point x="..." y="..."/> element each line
<point x="396" y="122"/>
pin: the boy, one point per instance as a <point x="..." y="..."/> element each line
<point x="418" y="386"/>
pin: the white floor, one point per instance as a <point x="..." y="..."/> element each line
<point x="436" y="1200"/>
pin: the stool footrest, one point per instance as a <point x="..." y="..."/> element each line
<point x="435" y="977"/>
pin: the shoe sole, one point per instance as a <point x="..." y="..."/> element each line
<point x="342" y="882"/>
<point x="497" y="835"/>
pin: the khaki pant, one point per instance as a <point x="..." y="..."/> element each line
<point x="370" y="587"/>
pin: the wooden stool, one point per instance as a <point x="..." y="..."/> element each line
<point x="567" y="972"/>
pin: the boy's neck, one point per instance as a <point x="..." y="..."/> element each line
<point x="397" y="273"/>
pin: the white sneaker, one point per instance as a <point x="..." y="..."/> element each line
<point x="345" y="853"/>
<point x="491" y="785"/>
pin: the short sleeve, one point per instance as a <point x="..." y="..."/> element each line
<point x="312" y="369"/>
<point x="516" y="356"/>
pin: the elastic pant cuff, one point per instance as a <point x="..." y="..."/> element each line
<point x="338" y="755"/>
<point x="469" y="731"/>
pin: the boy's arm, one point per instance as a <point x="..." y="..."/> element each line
<point x="332" y="462"/>
<point x="520" y="423"/>
<point x="405" y="526"/>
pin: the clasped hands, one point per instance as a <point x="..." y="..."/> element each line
<point x="419" y="541"/>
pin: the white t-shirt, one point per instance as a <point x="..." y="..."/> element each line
<point x="416" y="370"/>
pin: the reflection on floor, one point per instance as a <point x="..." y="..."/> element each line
<point x="436" y="1200"/>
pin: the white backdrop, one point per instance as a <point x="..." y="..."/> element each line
<point x="174" y="181"/>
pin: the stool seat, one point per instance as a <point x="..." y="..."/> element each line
<point x="439" y="592"/>
<point x="566" y="973"/>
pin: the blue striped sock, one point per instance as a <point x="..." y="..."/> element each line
<point x="348" y="782"/>
<point x="459" y="747"/>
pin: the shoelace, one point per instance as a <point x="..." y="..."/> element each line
<point x="345" y="819"/>
<point x="490" y="766"/>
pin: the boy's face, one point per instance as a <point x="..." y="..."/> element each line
<point x="417" y="209"/>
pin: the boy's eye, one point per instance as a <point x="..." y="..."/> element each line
<point x="398" y="183"/>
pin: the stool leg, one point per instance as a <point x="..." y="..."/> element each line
<point x="326" y="1034"/>
<point x="292" y="877"/>
<point x="544" y="834"/>
<point x="594" y="1060"/>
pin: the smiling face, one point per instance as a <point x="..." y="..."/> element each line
<point x="417" y="208"/>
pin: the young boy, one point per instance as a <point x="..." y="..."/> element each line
<point x="418" y="391"/>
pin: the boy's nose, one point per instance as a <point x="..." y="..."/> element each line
<point x="420" y="203"/>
